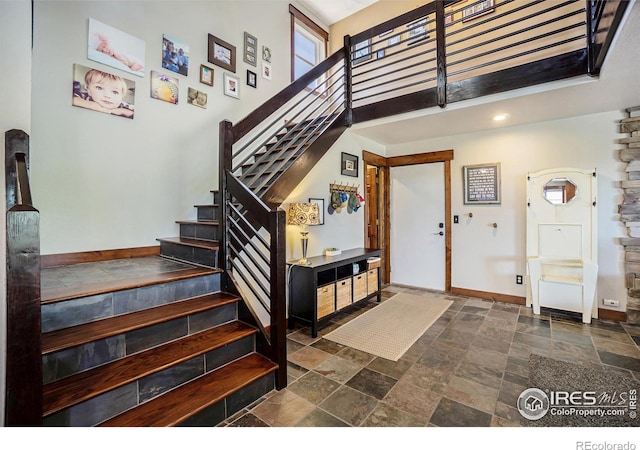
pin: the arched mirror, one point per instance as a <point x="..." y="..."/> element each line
<point x="559" y="191"/>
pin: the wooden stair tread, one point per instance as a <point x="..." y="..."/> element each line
<point x="82" y="334"/>
<point x="198" y="222"/>
<point x="210" y="245"/>
<point x="54" y="295"/>
<point x="74" y="389"/>
<point x="173" y="407"/>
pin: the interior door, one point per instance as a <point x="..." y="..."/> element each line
<point x="418" y="226"/>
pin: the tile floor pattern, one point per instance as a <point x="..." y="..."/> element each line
<point x="467" y="369"/>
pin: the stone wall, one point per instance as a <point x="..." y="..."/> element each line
<point x="630" y="210"/>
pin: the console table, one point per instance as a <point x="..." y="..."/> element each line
<point x="330" y="283"/>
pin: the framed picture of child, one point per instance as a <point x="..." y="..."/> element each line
<point x="103" y="92"/>
<point x="164" y="87"/>
<point x="115" y="48"/>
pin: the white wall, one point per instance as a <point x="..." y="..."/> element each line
<point x="486" y="258"/>
<point x="342" y="230"/>
<point x="15" y="33"/>
<point x="104" y="182"/>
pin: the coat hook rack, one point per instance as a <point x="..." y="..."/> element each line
<point x="494" y="225"/>
<point x="470" y="214"/>
<point x="343" y="188"/>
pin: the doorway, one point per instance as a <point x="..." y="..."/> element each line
<point x="378" y="223"/>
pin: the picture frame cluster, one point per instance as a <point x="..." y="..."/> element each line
<point x="124" y="52"/>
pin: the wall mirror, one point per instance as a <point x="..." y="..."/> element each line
<point x="559" y="191"/>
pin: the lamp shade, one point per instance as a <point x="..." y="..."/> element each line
<point x="303" y="214"/>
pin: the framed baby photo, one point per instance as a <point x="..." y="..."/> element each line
<point x="231" y="86"/>
<point x="206" y="75"/>
<point x="90" y="87"/>
<point x="250" y="49"/>
<point x="252" y="79"/>
<point x="221" y="53"/>
<point x="196" y="98"/>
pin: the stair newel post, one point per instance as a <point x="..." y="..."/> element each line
<point x="441" y="58"/>
<point x="278" y="294"/>
<point x="348" y="82"/>
<point x="225" y="166"/>
<point x="23" y="383"/>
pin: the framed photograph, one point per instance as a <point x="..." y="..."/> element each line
<point x="266" y="71"/>
<point x="164" y="87"/>
<point x="320" y="202"/>
<point x="115" y="48"/>
<point x="221" y="53"/>
<point x="417" y="31"/>
<point x="477" y="10"/>
<point x="448" y="19"/>
<point x="250" y="49"/>
<point x="380" y="54"/>
<point x="196" y="98"/>
<point x="481" y="184"/>
<point x="175" y="55"/>
<point x="206" y="75"/>
<point x="252" y="79"/>
<point x="349" y="165"/>
<point x="393" y="40"/>
<point x="266" y="54"/>
<point x="90" y="88"/>
<point x="362" y="51"/>
<point x="231" y="86"/>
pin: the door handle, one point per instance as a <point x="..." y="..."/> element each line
<point x="440" y="233"/>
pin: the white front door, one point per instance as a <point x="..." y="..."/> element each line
<point x="417" y="226"/>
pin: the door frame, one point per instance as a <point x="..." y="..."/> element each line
<point x="384" y="163"/>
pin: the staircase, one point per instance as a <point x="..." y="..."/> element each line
<point x="168" y="349"/>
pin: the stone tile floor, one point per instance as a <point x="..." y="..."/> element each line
<point x="466" y="370"/>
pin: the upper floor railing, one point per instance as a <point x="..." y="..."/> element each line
<point x="439" y="53"/>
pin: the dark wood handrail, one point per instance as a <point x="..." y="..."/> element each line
<point x="245" y="125"/>
<point x="248" y="199"/>
<point x="24" y="358"/>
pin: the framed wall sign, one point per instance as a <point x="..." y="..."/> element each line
<point x="481" y="184"/>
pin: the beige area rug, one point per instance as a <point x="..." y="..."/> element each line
<point x="389" y="329"/>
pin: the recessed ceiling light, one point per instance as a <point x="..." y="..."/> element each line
<point x="499" y="117"/>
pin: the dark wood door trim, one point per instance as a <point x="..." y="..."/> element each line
<point x="385" y="163"/>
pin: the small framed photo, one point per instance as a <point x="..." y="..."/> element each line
<point x="164" y="87"/>
<point x="380" y="54"/>
<point x="266" y="54"/>
<point x="362" y="51"/>
<point x="477" y="10"/>
<point x="206" y="75"/>
<point x="320" y="202"/>
<point x="266" y="71"/>
<point x="349" y="165"/>
<point x="417" y="31"/>
<point x="221" y="53"/>
<point x="231" y="86"/>
<point x="250" y="49"/>
<point x="252" y="79"/>
<point x="196" y="98"/>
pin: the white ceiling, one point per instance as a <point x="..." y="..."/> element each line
<point x="617" y="88"/>
<point x="332" y="11"/>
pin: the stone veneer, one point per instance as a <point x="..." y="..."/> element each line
<point x="630" y="210"/>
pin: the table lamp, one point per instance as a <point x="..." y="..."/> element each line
<point x="303" y="214"/>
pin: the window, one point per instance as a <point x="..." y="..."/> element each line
<point x="308" y="43"/>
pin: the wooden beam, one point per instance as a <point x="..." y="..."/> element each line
<point x="373" y="159"/>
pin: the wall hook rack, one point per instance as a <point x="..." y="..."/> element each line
<point x="333" y="187"/>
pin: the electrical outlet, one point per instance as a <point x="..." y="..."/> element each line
<point x="518" y="279"/>
<point x="609" y="302"/>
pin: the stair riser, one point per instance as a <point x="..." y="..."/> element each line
<point x="223" y="410"/>
<point x="207" y="212"/>
<point x="77" y="311"/>
<point x="196" y="231"/>
<point x="195" y="255"/>
<point x="67" y="362"/>
<point x="98" y="409"/>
